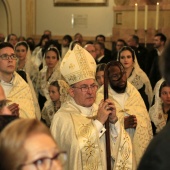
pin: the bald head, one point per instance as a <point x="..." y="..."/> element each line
<point x="91" y="49"/>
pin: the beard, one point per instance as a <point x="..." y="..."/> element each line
<point x="119" y="89"/>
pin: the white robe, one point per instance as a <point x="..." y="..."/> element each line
<point x="20" y="93"/>
<point x="132" y="104"/>
<point x="76" y="132"/>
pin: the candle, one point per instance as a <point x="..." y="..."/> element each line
<point x="136" y="16"/>
<point x="146" y="18"/>
<point x="157" y="16"/>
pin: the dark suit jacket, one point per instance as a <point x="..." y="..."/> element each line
<point x="107" y="52"/>
<point x="105" y="59"/>
<point x="155" y="73"/>
<point x="157" y="155"/>
<point x="141" y="54"/>
<point x="149" y="60"/>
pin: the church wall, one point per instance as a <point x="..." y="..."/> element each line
<point x="58" y="19"/>
<point x="31" y="18"/>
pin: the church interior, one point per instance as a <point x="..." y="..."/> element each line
<point x="112" y="18"/>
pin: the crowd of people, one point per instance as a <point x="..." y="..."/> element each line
<point x="57" y="92"/>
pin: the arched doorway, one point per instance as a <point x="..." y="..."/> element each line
<point x="5" y="19"/>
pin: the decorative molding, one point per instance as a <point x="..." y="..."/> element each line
<point x="139" y="2"/>
<point x="119" y="18"/>
<point x="80" y="2"/>
<point x="121" y="2"/>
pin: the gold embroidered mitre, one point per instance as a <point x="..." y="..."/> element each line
<point x="78" y="65"/>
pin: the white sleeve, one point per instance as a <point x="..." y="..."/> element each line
<point x="101" y="129"/>
<point x="114" y="130"/>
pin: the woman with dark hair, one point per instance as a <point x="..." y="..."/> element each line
<point x="12" y="39"/>
<point x="67" y="39"/>
<point x="135" y="75"/>
<point x="28" y="71"/>
<point x="100" y="74"/>
<point x="50" y="43"/>
<point x="37" y="53"/>
<point x="159" y="112"/>
<point x="30" y="41"/>
<point x="24" y="62"/>
<point x="49" y="73"/>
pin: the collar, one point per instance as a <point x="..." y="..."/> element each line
<point x="159" y="51"/>
<point x="8" y="83"/>
<point x="98" y="60"/>
<point x="85" y="111"/>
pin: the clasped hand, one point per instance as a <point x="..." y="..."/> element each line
<point x="107" y="110"/>
<point x="14" y="108"/>
<point x="130" y="121"/>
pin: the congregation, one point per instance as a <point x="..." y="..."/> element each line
<point x="57" y="90"/>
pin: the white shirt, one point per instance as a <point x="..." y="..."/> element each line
<point x="7" y="86"/>
<point x="121" y="99"/>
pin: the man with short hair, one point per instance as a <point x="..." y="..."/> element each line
<point x="15" y="88"/>
<point x="119" y="44"/>
<point x="101" y="38"/>
<point x="100" y="56"/>
<point x="140" y="51"/>
<point x="153" y="59"/>
<point x="78" y="127"/>
<point x="130" y="108"/>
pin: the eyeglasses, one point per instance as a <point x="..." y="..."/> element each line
<point x="46" y="162"/>
<point x="165" y="93"/>
<point x="116" y="77"/>
<point x="7" y="57"/>
<point x="86" y="88"/>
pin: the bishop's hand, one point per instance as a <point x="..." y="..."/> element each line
<point x="107" y="110"/>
